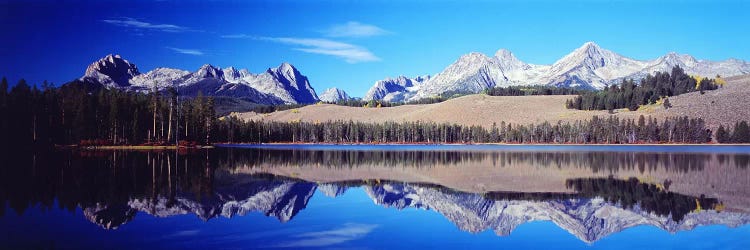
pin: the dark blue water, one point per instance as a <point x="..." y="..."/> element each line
<point x="203" y="199"/>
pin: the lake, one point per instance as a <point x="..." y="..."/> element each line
<point x="379" y="196"/>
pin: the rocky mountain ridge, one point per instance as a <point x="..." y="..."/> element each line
<point x="587" y="67"/>
<point x="281" y="85"/>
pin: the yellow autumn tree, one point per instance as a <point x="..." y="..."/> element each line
<point x="720" y="81"/>
<point x="698" y="79"/>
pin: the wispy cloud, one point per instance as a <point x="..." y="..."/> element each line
<point x="354" y="29"/>
<point x="237" y="36"/>
<point x="349" y="52"/>
<point x="129" y="22"/>
<point x="194" y="52"/>
<point x="183" y="233"/>
<point x="332" y="237"/>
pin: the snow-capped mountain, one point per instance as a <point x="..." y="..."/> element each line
<point x="283" y="84"/>
<point x="475" y="72"/>
<point x="589" y="67"/>
<point x="334" y="95"/>
<point x="395" y="89"/>
<point x="112" y="71"/>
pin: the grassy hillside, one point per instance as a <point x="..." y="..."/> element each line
<point x="726" y="105"/>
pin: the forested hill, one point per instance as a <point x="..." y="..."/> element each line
<point x="650" y="89"/>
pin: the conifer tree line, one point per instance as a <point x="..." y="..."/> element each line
<point x="650" y="89"/>
<point x="77" y="113"/>
<point x="739" y="134"/>
<point x="532" y="90"/>
<point x="610" y="130"/>
<point x="384" y="104"/>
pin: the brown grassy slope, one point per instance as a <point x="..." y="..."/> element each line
<point x="725" y="105"/>
<point x="468" y="110"/>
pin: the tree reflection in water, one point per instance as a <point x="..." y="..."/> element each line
<point x="113" y="186"/>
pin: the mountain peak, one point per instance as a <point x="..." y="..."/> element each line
<point x="284" y="69"/>
<point x="334" y="95"/>
<point x="472" y="59"/>
<point x="589" y="48"/>
<point x="285" y="66"/>
<point x="209" y="71"/>
<point x="297" y="84"/>
<point x="112" y="57"/>
<point x="591" y="56"/>
<point x="672" y="59"/>
<point x="472" y="56"/>
<point x="112" y="69"/>
<point x="684" y="57"/>
<point x="590" y="44"/>
<point x="505" y="55"/>
<point x="208" y="66"/>
<point x="509" y="61"/>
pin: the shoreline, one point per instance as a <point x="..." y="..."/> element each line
<point x="214" y="145"/>
<point x="132" y="147"/>
<point x="498" y="144"/>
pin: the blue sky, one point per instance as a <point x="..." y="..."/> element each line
<point x="351" y="44"/>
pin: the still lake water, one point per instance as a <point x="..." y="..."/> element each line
<point x="385" y="196"/>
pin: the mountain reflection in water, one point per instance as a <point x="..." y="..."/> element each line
<point x="589" y="194"/>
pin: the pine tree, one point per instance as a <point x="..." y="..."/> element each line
<point x="722" y="136"/>
<point x="154" y="107"/>
<point x="4" y="116"/>
<point x="667" y="104"/>
<point x="172" y="96"/>
<point x="741" y="133"/>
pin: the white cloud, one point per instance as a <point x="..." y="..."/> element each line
<point x="136" y="24"/>
<point x="237" y="36"/>
<point x="349" y="52"/>
<point x="194" y="52"/>
<point x="332" y="237"/>
<point x="354" y="29"/>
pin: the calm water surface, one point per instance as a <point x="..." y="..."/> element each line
<point x="385" y="196"/>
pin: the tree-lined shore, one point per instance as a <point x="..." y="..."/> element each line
<point x="77" y="113"/>
<point x="85" y="115"/>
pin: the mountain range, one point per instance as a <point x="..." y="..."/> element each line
<point x="281" y="85"/>
<point x="588" y="67"/>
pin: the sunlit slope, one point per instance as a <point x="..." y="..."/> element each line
<point x="722" y="106"/>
